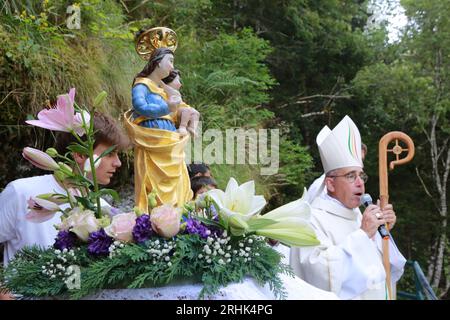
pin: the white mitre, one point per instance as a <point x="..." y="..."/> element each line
<point x="340" y="147"/>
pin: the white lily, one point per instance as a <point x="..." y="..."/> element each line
<point x="291" y="231"/>
<point x="240" y="208"/>
<point x="238" y="200"/>
<point x="299" y="208"/>
<point x="291" y="225"/>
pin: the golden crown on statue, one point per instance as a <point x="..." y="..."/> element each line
<point x="154" y="38"/>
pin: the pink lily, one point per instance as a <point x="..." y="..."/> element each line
<point x="41" y="210"/>
<point x="62" y="117"/>
<point x="78" y="122"/>
<point x="40" y="159"/>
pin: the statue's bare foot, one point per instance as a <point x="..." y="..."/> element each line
<point x="182" y="131"/>
<point x="193" y="132"/>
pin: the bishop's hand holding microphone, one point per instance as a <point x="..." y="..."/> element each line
<point x="366" y="200"/>
<point x="374" y="218"/>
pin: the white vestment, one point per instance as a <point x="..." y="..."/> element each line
<point x="314" y="189"/>
<point x="347" y="262"/>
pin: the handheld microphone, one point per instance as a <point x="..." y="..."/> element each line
<point x="366" y="200"/>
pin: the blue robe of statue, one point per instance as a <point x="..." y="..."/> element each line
<point x="152" y="106"/>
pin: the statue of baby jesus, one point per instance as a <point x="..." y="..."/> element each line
<point x="188" y="117"/>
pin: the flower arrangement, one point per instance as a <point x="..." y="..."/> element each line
<point x="218" y="239"/>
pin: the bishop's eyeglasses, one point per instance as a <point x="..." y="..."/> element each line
<point x="351" y="176"/>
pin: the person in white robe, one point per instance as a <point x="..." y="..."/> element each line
<point x="348" y="261"/>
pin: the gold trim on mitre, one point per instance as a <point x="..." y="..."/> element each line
<point x="154" y="38"/>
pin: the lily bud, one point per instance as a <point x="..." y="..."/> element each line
<point x="60" y="176"/>
<point x="65" y="168"/>
<point x="152" y="203"/>
<point x="51" y="152"/>
<point x="100" y="98"/>
<point x="138" y="212"/>
<point x="54" y="197"/>
<point x="104" y="221"/>
<point x="63" y="173"/>
<point x="39" y="159"/>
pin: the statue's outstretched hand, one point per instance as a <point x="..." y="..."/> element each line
<point x="174" y="102"/>
<point x="174" y="97"/>
<point x="193" y="123"/>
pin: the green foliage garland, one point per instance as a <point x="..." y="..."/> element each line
<point x="36" y="272"/>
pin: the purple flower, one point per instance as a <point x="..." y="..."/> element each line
<point x="196" y="227"/>
<point x="99" y="242"/>
<point x="65" y="240"/>
<point x="216" y="231"/>
<point x="142" y="230"/>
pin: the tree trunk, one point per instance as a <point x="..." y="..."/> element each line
<point x="446" y="275"/>
<point x="439" y="261"/>
<point x="440" y="177"/>
<point x="432" y="260"/>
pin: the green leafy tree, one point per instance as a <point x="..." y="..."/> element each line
<point x="412" y="93"/>
<point x="226" y="79"/>
<point x="318" y="48"/>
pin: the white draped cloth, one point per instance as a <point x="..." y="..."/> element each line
<point x="347" y="262"/>
<point x="249" y="289"/>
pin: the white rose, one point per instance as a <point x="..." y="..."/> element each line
<point x="82" y="223"/>
<point x="121" y="227"/>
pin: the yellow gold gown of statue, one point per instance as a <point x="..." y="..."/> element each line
<point x="159" y="161"/>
